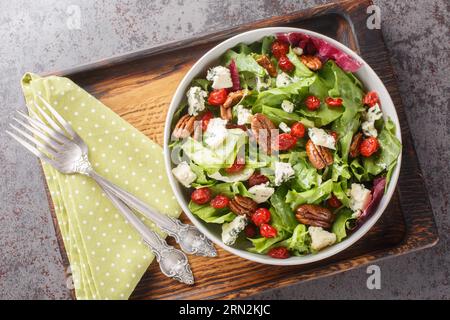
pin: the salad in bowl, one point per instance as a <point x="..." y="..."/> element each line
<point x="280" y="148"/>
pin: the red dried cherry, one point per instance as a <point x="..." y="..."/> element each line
<point x="260" y="216"/>
<point x="279" y="49"/>
<point x="369" y="146"/>
<point x="218" y="97"/>
<point x="201" y="196"/>
<point x="371" y="98"/>
<point x="208" y="115"/>
<point x="334" y="202"/>
<point x="267" y="231"/>
<point x="238" y="166"/>
<point x="285" y="64"/>
<point x="312" y="103"/>
<point x="279" y="253"/>
<point x="298" y="130"/>
<point x="219" y="202"/>
<point x="334" y="102"/>
<point x="285" y="141"/>
<point x="250" y="231"/>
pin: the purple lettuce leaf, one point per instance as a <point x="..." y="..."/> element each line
<point x="377" y="194"/>
<point x="234" y="76"/>
<point x="321" y="48"/>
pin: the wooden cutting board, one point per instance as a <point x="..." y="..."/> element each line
<point x="139" y="87"/>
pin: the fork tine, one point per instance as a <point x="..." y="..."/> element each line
<point x="40" y="126"/>
<point x="49" y="120"/>
<point x="58" y="117"/>
<point x="47" y="141"/>
<point x="32" y="149"/>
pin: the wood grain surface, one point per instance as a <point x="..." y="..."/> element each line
<point x="139" y="87"/>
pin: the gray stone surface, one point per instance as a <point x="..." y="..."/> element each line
<point x="35" y="37"/>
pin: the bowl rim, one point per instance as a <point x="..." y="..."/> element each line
<point x="206" y="59"/>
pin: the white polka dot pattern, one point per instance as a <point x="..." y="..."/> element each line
<point x="106" y="254"/>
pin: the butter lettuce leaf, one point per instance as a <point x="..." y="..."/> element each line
<point x="210" y="214"/>
<point x="312" y="196"/>
<point x="221" y="157"/>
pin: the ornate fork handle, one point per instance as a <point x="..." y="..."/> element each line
<point x="191" y="240"/>
<point x="172" y="262"/>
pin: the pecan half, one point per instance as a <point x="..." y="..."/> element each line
<point x="312" y="62"/>
<point x="314" y="215"/>
<point x="225" y="113"/>
<point x="233" y="98"/>
<point x="257" y="178"/>
<point x="356" y="142"/>
<point x="243" y="205"/>
<point x="184" y="127"/>
<point x="319" y="156"/>
<point x="262" y="127"/>
<point x="265" y="62"/>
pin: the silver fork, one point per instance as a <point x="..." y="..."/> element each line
<point x="190" y="239"/>
<point x="66" y="151"/>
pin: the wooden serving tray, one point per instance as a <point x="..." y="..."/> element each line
<point x="139" y="87"/>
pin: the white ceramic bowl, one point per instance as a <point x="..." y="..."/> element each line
<point x="371" y="82"/>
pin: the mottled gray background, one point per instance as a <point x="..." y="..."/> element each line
<point x="34" y="37"/>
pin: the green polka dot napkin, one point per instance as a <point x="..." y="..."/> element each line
<point x="107" y="257"/>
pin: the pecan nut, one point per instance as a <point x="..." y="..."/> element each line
<point x="265" y="62"/>
<point x="256" y="179"/>
<point x="312" y="62"/>
<point x="184" y="127"/>
<point x="262" y="129"/>
<point x="314" y="215"/>
<point x="243" y="205"/>
<point x="319" y="156"/>
<point x="225" y="113"/>
<point x="356" y="142"/>
<point x="233" y="98"/>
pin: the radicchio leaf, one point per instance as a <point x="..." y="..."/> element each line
<point x="322" y="48"/>
<point x="343" y="60"/>
<point x="234" y="76"/>
<point x="377" y="194"/>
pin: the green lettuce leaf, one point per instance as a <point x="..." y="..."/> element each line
<point x="359" y="171"/>
<point x="275" y="96"/>
<point x="299" y="242"/>
<point x="230" y="189"/>
<point x="344" y="86"/>
<point x="202" y="179"/>
<point x="266" y="44"/>
<point x="301" y="71"/>
<point x="339" y="190"/>
<point x="324" y="115"/>
<point x="339" y="227"/>
<point x="390" y="148"/>
<point x="211" y="215"/>
<point x="339" y="169"/>
<point x="262" y="245"/>
<point x="244" y="61"/>
<point x="283" y="217"/>
<point x="306" y="176"/>
<point x="314" y="195"/>
<point x="222" y="157"/>
<point x="279" y="115"/>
